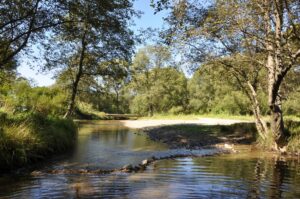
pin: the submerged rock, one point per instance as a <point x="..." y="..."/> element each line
<point x="36" y="173"/>
<point x="127" y="167"/>
<point x="145" y="162"/>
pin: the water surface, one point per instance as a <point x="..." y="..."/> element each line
<point x="109" y="145"/>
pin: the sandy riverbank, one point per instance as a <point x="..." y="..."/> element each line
<point x="137" y="124"/>
<point x="194" y="134"/>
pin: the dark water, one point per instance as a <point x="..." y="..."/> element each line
<point x="110" y="145"/>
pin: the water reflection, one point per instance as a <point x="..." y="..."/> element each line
<point x="110" y="145"/>
<point x="222" y="177"/>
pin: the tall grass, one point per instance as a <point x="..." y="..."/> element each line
<point x="294" y="141"/>
<point x="292" y="125"/>
<point x="29" y="138"/>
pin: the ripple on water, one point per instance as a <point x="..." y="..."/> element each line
<point x="207" y="177"/>
<point x="226" y="176"/>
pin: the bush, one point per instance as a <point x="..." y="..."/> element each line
<point x="139" y="105"/>
<point x="86" y="111"/>
<point x="43" y="100"/>
<point x="176" y="110"/>
<point x="234" y="103"/>
<point x="294" y="141"/>
<point x="27" y="139"/>
<point x="292" y="106"/>
<point x="3" y="117"/>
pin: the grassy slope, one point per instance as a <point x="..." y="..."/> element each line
<point x="31" y="138"/>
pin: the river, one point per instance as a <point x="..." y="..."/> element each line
<point x="109" y="145"/>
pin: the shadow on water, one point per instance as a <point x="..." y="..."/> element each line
<point x="250" y="174"/>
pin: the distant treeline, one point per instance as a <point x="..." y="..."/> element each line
<point x="151" y="86"/>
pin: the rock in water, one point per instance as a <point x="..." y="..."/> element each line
<point x="228" y="146"/>
<point x="145" y="162"/>
<point x="127" y="167"/>
<point x="36" y="173"/>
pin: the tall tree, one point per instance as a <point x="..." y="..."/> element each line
<point x="252" y="37"/>
<point x="281" y="22"/>
<point x="95" y="37"/>
<point x="145" y="61"/>
<point x="157" y="86"/>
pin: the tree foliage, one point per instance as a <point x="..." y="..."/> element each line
<point x="93" y="45"/>
<point x="253" y="36"/>
<point x="23" y="22"/>
<point x="156" y="86"/>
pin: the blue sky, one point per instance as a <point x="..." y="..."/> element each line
<point x="148" y="19"/>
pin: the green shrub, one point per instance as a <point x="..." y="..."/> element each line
<point x="176" y="110"/>
<point x="29" y="138"/>
<point x="294" y="141"/>
<point x="3" y="117"/>
<point x="292" y="106"/>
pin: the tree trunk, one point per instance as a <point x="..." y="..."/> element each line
<point x="73" y="97"/>
<point x="77" y="79"/>
<point x="149" y="96"/>
<point x="259" y="122"/>
<point x="277" y="125"/>
<point x="151" y="110"/>
<point x="117" y="100"/>
<point x="274" y="82"/>
<point x="276" y="71"/>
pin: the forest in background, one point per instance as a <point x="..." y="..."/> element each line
<point x="152" y="84"/>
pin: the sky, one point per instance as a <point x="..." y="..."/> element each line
<point x="148" y="19"/>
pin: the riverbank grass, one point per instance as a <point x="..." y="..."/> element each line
<point x="293" y="127"/>
<point x="26" y="139"/>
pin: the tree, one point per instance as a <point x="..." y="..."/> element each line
<point x="281" y="32"/>
<point x="145" y="61"/>
<point x="112" y="87"/>
<point x="252" y="37"/>
<point x="155" y="85"/>
<point x="211" y="91"/>
<point x="23" y="21"/>
<point x="93" y="40"/>
<point x="115" y="86"/>
<point x="169" y="90"/>
<point x="7" y="78"/>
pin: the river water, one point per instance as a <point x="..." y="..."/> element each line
<point x="108" y="145"/>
